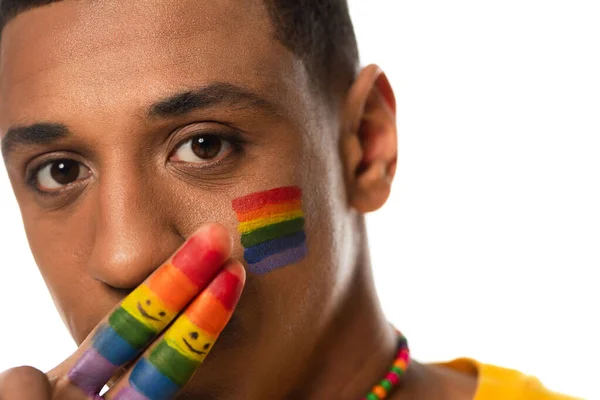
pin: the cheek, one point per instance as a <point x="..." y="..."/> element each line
<point x="61" y="245"/>
<point x="60" y="248"/>
<point x="60" y="240"/>
<point x="194" y="206"/>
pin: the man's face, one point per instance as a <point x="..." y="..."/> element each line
<point x="171" y="109"/>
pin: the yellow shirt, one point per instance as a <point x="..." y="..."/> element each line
<point x="496" y="383"/>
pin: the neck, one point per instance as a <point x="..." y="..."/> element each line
<point x="340" y="357"/>
<point x="356" y="349"/>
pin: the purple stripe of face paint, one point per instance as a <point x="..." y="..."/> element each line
<point x="91" y="372"/>
<point x="282" y="259"/>
<point x="129" y="393"/>
<point x="259" y="252"/>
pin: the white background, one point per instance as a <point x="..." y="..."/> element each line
<point x="490" y="244"/>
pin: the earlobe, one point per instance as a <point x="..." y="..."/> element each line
<point x="370" y="143"/>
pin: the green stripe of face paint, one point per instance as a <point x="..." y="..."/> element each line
<point x="271" y="232"/>
<point x="133" y="331"/>
<point x="172" y="363"/>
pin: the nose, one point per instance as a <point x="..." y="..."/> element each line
<point x="132" y="236"/>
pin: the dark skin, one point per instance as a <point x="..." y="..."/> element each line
<point x="99" y="68"/>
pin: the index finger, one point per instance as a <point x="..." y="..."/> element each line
<point x="150" y="308"/>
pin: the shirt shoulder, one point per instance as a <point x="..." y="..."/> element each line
<point x="497" y="383"/>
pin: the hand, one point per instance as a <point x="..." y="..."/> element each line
<point x="190" y="289"/>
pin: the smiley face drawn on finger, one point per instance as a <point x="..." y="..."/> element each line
<point x="194" y="337"/>
<point x="145" y="306"/>
<point x="188" y="339"/>
<point x="144" y="313"/>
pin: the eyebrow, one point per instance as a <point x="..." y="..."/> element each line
<point x="215" y="94"/>
<point x="39" y="133"/>
<point x="175" y="105"/>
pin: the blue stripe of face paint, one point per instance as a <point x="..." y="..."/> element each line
<point x="150" y="382"/>
<point x="113" y="347"/>
<point x="263" y="250"/>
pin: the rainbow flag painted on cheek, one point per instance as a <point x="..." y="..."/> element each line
<point x="272" y="228"/>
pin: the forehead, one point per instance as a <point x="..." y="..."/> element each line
<point x="76" y="56"/>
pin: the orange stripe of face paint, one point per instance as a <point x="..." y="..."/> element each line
<point x="208" y="313"/>
<point x="269" y="210"/>
<point x="172" y="287"/>
<point x="198" y="261"/>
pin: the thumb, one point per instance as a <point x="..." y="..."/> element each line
<point x="24" y="383"/>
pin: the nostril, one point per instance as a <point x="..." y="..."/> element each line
<point x="128" y="248"/>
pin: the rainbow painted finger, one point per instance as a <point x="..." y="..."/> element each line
<point x="272" y="228"/>
<point x="171" y="363"/>
<point x="148" y="310"/>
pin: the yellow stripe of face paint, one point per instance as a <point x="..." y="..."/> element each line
<point x="254" y="224"/>
<point x="191" y="341"/>
<point x="145" y="306"/>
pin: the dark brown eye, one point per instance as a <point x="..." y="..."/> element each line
<point x="59" y="173"/>
<point x="202" y="149"/>
<point x="206" y="147"/>
<point x="64" y="171"/>
<point x="194" y="335"/>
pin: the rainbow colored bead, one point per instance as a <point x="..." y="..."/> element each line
<point x="392" y="378"/>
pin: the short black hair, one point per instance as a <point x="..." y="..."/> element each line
<point x="319" y="32"/>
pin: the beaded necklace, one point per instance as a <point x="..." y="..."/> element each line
<point x="392" y="378"/>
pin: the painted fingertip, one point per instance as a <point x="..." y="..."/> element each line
<point x="203" y="254"/>
<point x="227" y="286"/>
<point x="236" y="268"/>
<point x="217" y="237"/>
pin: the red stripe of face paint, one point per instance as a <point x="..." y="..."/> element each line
<point x="273" y="196"/>
<point x="227" y="288"/>
<point x="270" y="209"/>
<point x="199" y="261"/>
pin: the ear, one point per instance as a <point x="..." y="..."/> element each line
<point x="369" y="140"/>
